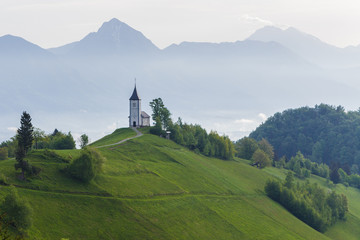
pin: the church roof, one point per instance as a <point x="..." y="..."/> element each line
<point x="144" y="114"/>
<point x="135" y="95"/>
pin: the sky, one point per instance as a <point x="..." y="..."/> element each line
<point x="52" y="23"/>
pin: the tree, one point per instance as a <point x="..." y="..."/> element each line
<point x="267" y="148"/>
<point x="160" y="112"/>
<point x="25" y="132"/>
<point x="11" y="145"/>
<point x="334" y="175"/>
<point x="289" y="180"/>
<point x="273" y="189"/>
<point x="24" y="138"/>
<point x="297" y="169"/>
<point x="84" y="140"/>
<point x="3" y="153"/>
<point x="261" y="158"/>
<point x="246" y="147"/>
<point x="354" y="169"/>
<point x="62" y="141"/>
<point x="38" y="135"/>
<point x="17" y="212"/>
<point x="343" y="175"/>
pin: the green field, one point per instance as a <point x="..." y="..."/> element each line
<point x="116" y="136"/>
<point x="152" y="188"/>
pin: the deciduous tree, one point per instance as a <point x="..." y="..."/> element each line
<point x="84" y="140"/>
<point x="261" y="158"/>
<point x="160" y="112"/>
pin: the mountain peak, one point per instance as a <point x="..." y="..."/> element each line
<point x="113" y="37"/>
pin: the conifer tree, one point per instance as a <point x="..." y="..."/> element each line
<point x="25" y="139"/>
<point x="25" y="132"/>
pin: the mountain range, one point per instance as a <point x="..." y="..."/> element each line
<point x="84" y="86"/>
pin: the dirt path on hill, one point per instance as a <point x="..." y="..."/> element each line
<point x="138" y="134"/>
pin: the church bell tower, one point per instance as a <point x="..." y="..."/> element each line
<point x="135" y="110"/>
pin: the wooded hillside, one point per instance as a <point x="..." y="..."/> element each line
<point x="324" y="133"/>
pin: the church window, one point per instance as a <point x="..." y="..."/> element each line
<point x="134" y="104"/>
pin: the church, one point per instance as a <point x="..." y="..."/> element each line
<point x="137" y="117"/>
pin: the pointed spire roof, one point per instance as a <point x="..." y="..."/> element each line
<point x="135" y="95"/>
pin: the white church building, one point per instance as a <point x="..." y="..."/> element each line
<point x="137" y="117"/>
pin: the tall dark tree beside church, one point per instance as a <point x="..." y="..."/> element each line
<point x="25" y="139"/>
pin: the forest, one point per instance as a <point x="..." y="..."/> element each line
<point x="324" y="134"/>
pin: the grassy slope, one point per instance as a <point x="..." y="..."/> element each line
<point x="116" y="136"/>
<point x="152" y="188"/>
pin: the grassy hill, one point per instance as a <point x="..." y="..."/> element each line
<point x="152" y="188"/>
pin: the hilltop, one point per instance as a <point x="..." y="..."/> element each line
<point x="152" y="188"/>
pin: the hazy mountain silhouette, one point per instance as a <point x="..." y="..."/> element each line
<point x="252" y="52"/>
<point x="112" y="38"/>
<point x="17" y="47"/>
<point x="309" y="47"/>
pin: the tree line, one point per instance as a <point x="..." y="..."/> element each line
<point x="192" y="136"/>
<point x="56" y="140"/>
<point x="308" y="202"/>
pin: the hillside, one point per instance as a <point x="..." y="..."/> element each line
<point x="152" y="188"/>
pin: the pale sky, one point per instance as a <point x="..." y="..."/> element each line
<point x="51" y="23"/>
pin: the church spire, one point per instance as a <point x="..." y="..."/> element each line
<point x="135" y="95"/>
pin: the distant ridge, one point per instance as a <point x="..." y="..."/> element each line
<point x="13" y="46"/>
<point x="308" y="46"/>
<point x="248" y="50"/>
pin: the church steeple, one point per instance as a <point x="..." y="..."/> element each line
<point x="135" y="95"/>
<point x="137" y="117"/>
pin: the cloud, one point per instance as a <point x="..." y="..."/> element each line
<point x="262" y="22"/>
<point x="244" y="121"/>
<point x="257" y="20"/>
<point x="12" y="129"/>
<point x="262" y="116"/>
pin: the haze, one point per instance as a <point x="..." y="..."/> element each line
<point x="54" y="23"/>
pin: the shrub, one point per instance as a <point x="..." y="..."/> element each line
<point x="87" y="165"/>
<point x="3" y="153"/>
<point x="3" y="179"/>
<point x="17" y="212"/>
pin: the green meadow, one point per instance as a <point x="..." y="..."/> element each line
<point x="152" y="188"/>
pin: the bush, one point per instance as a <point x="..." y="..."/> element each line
<point x="3" y="153"/>
<point x="3" y="179"/>
<point x="17" y="212"/>
<point x="87" y="165"/>
<point x="157" y="129"/>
